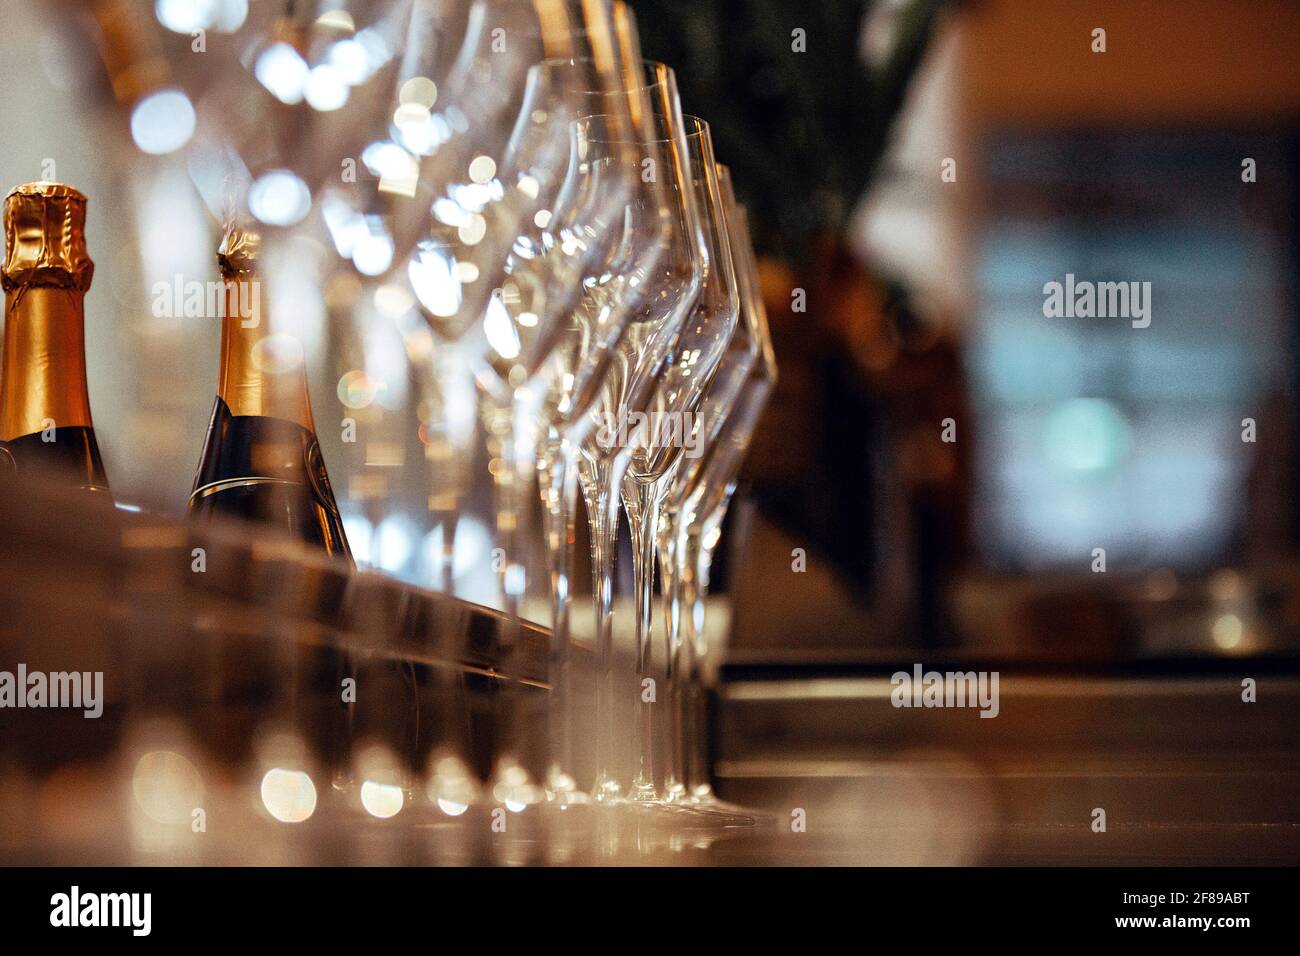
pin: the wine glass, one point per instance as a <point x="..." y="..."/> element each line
<point x="515" y="224"/>
<point x="522" y="222"/>
<point x="655" y="441"/>
<point x="697" y="506"/>
<point x="646" y="437"/>
<point x="611" y="299"/>
<point x="620" y="247"/>
<point x="668" y="295"/>
<point x="719" y="399"/>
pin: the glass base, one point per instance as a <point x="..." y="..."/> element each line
<point x="684" y="814"/>
<point x="607" y="791"/>
<point x="702" y="799"/>
<point x="643" y="792"/>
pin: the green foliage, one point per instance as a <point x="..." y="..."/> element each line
<point x="802" y="131"/>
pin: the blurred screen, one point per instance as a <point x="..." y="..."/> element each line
<point x="1129" y="431"/>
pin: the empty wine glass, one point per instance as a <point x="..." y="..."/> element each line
<point x="668" y="294"/>
<point x="591" y="242"/>
<point x="719" y="399"/>
<point x="697" y="507"/>
<point x="511" y="228"/>
<point x="521" y="223"/>
<point x="657" y="441"/>
<point x="622" y="248"/>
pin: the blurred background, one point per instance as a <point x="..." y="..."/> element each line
<point x="949" y="457"/>
<point x="915" y="178"/>
<point x="1106" y="513"/>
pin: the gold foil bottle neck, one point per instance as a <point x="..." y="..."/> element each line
<point x="237" y="254"/>
<point x="45" y="238"/>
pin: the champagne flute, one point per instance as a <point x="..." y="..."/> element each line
<point x="734" y="368"/>
<point x="657" y="442"/>
<point x="623" y="246"/>
<point x="698" y="506"/>
<point x="520" y="230"/>
<point x="667" y="295"/>
<point x="610" y="301"/>
<point x="603" y="175"/>
<point x="263" y="101"/>
<point x="270" y="137"/>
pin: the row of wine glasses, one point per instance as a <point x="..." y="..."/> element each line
<point x="513" y="196"/>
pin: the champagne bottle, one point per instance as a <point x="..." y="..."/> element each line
<point x="46" y="432"/>
<point x="261" y="460"/>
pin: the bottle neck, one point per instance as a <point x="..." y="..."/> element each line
<point x="44" y="373"/>
<point x="261" y="373"/>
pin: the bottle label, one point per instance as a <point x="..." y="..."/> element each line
<point x="268" y="470"/>
<point x="71" y="460"/>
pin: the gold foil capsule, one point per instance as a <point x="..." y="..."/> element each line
<point x="237" y="254"/>
<point x="45" y="238"/>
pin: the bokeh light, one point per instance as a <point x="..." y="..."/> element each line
<point x="162" y="122"/>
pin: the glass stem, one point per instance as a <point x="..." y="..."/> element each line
<point x="510" y="423"/>
<point x="444" y="391"/>
<point x="678" y="665"/>
<point x="693" y="564"/>
<point x="641" y="501"/>
<point x="447" y="569"/>
<point x="558" y="474"/>
<point x="446" y="674"/>
<point x="600" y="481"/>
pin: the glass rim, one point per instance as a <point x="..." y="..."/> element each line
<point x="693" y="127"/>
<point x="649" y="69"/>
